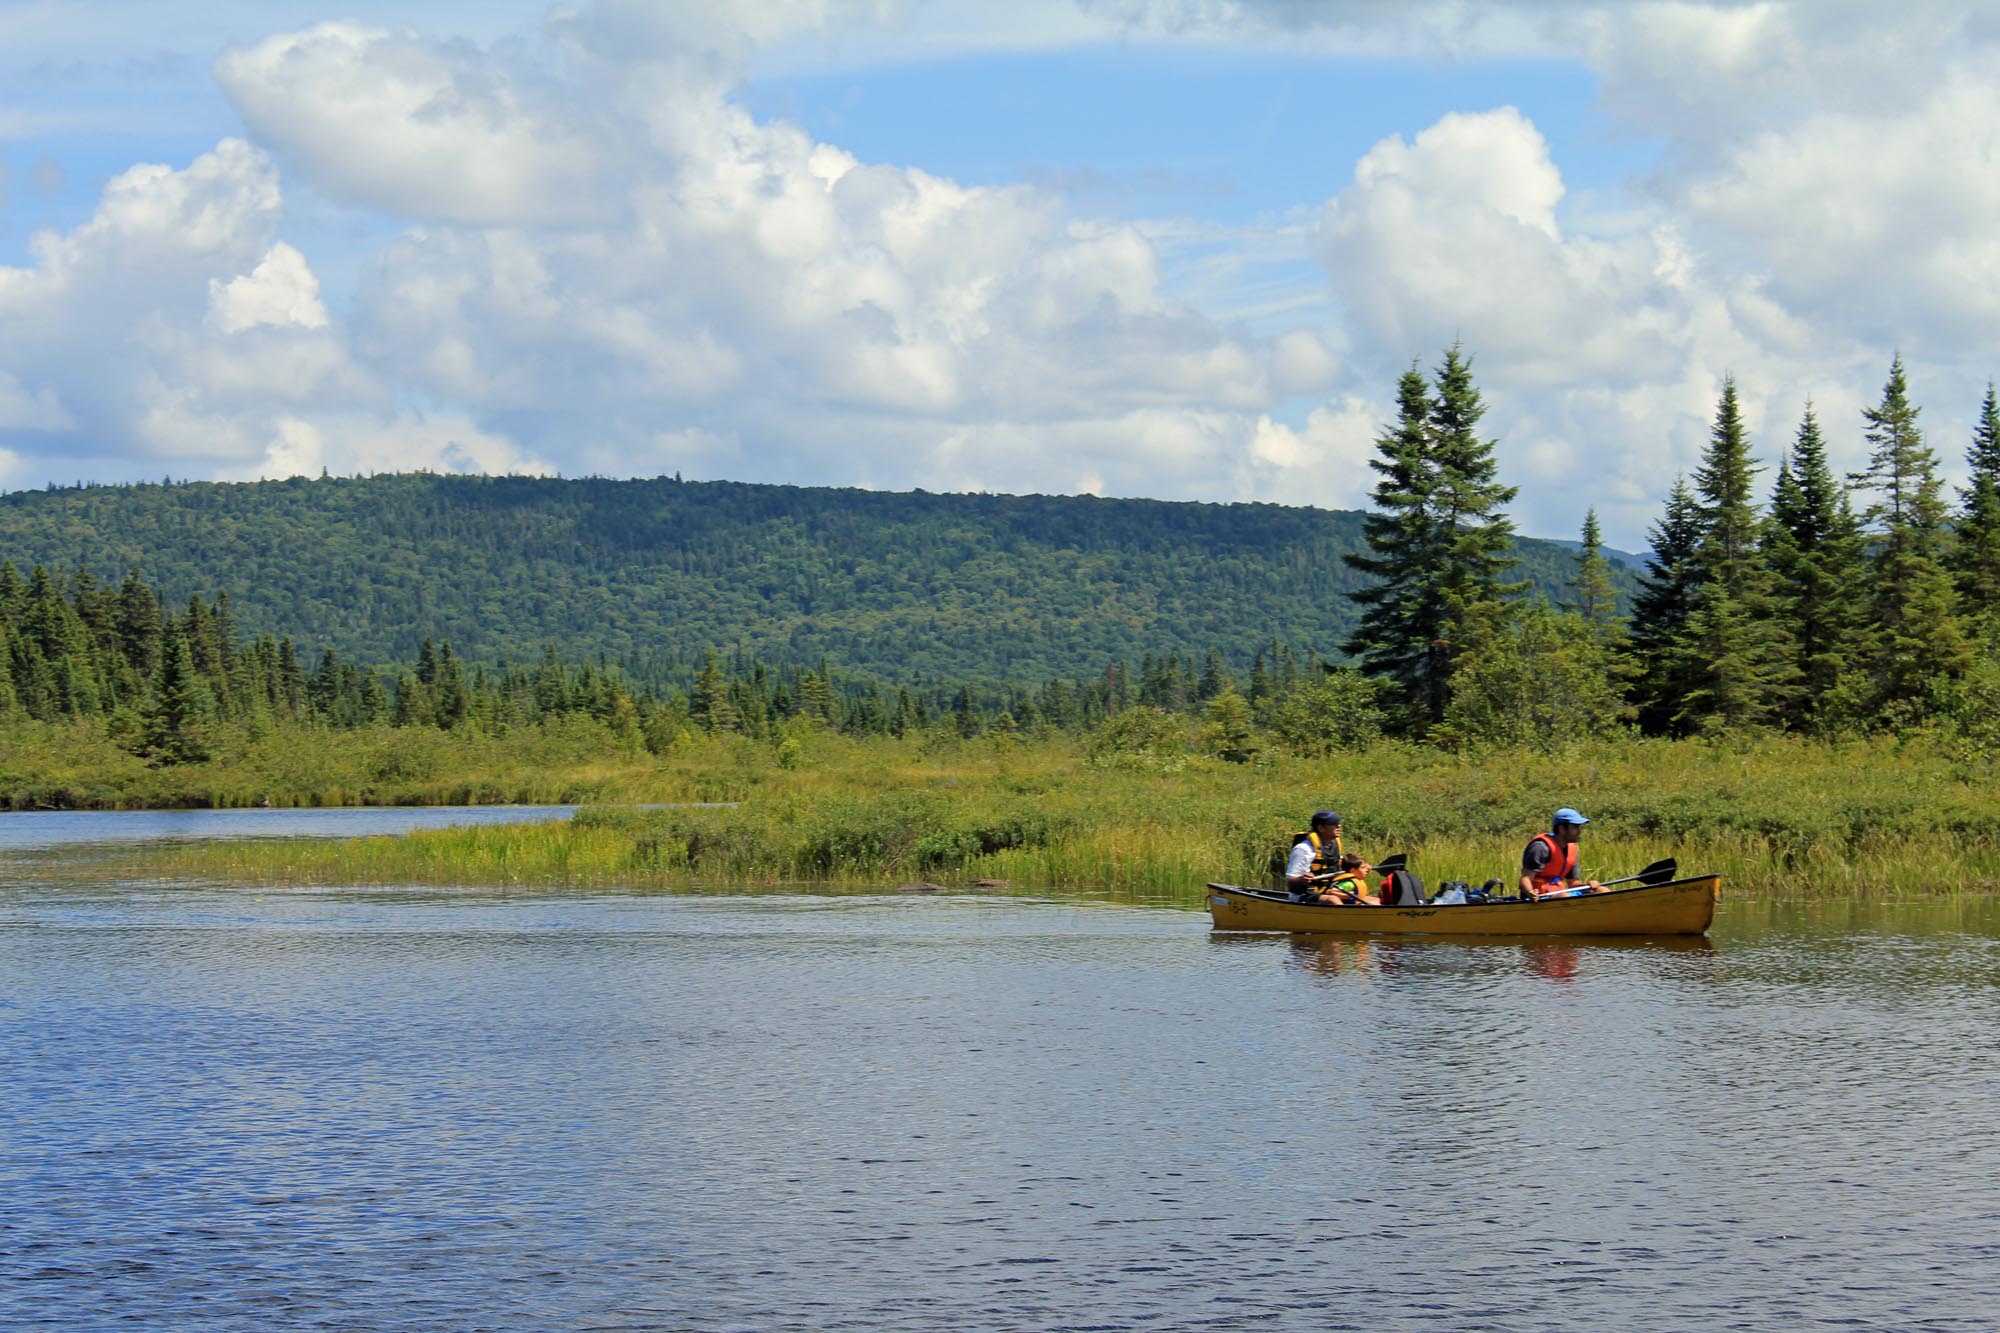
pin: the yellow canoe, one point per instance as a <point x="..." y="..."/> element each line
<point x="1679" y="907"/>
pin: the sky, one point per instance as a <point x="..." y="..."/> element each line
<point x="1170" y="248"/>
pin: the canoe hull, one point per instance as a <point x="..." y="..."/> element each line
<point x="1682" y="907"/>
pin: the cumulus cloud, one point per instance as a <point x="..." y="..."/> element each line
<point x="606" y="263"/>
<point x="172" y="328"/>
<point x="414" y="127"/>
<point x="738" y="278"/>
<point x="1454" y="236"/>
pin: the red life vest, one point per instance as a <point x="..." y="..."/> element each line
<point x="1561" y="864"/>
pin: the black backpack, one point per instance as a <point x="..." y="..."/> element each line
<point x="1402" y="889"/>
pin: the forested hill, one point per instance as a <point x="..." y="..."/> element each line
<point x="654" y="572"/>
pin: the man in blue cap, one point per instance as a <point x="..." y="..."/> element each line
<point x="1548" y="866"/>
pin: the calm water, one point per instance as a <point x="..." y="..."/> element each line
<point x="263" y="1110"/>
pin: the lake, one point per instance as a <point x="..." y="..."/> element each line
<point x="262" y="1109"/>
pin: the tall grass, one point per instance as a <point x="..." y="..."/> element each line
<point x="1776" y="817"/>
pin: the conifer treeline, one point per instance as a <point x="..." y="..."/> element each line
<point x="1842" y="605"/>
<point x="1856" y="603"/>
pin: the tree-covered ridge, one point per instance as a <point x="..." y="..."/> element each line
<point x="652" y="573"/>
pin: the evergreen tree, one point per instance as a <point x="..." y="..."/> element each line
<point x="451" y="700"/>
<point x="1593" y="598"/>
<point x="1402" y="611"/>
<point x="1735" y="669"/>
<point x="1478" y="536"/>
<point x="1914" y="648"/>
<point x="710" y="705"/>
<point x="1813" y="548"/>
<point x="965" y="713"/>
<point x="1215" y="677"/>
<point x="1440" y="544"/>
<point x="140" y="625"/>
<point x="1660" y="613"/>
<point x="291" y="681"/>
<point x="171" y="729"/>
<point x="1976" y="557"/>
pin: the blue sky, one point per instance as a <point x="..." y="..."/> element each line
<point x="1178" y="248"/>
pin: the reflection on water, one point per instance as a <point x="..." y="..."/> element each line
<point x="374" y="1110"/>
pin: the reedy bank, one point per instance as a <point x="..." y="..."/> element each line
<point x="1776" y="817"/>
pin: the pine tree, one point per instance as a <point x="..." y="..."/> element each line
<point x="1439" y="543"/>
<point x="171" y="725"/>
<point x="140" y="625"/>
<point x="453" y="700"/>
<point x="1735" y="669"/>
<point x="1215" y="677"/>
<point x="710" y="705"/>
<point x="1660" y="613"/>
<point x="1914" y="648"/>
<point x="1478" y="536"/>
<point x="1813" y="548"/>
<point x="1593" y="598"/>
<point x="1976" y="557"/>
<point x="1402" y="612"/>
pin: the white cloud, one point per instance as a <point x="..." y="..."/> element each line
<point x="1881" y="221"/>
<point x="415" y="127"/>
<point x="281" y="292"/>
<point x="610" y="265"/>
<point x="741" y="279"/>
<point x="38" y="409"/>
<point x="170" y="327"/>
<point x="1453" y="237"/>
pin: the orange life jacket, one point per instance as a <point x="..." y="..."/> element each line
<point x="1560" y="868"/>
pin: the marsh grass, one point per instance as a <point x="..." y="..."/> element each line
<point x="1777" y="817"/>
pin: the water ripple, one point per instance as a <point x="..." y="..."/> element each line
<point x="476" y="1112"/>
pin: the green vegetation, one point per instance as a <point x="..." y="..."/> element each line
<point x="1805" y="699"/>
<point x="652" y="575"/>
<point x="1440" y="546"/>
<point x="1780" y="817"/>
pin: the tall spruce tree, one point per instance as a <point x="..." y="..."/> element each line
<point x="1976" y="555"/>
<point x="1813" y="547"/>
<point x="1402" y="612"/>
<point x="1914" y="647"/>
<point x="1440" y="544"/>
<point x="1736" y="670"/>
<point x="171" y="729"/>
<point x="1660" y="612"/>
<point x="1478" y="537"/>
<point x="1593" y="598"/>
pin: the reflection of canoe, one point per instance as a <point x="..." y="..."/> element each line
<point x="1682" y="907"/>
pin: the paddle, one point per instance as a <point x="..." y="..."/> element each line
<point x="1657" y="873"/>
<point x="1387" y="865"/>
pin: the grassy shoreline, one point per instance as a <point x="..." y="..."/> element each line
<point x="1777" y="817"/>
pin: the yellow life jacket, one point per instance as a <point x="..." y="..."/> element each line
<point x="1324" y="862"/>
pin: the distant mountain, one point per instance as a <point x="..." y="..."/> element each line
<point x="652" y="573"/>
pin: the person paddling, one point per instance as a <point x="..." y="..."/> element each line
<point x="1548" y="864"/>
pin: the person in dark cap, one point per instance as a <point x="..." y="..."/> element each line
<point x="1548" y="864"/>
<point x="1315" y="856"/>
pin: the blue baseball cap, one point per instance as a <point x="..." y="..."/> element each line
<point x="1568" y="815"/>
<point x="1325" y="817"/>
